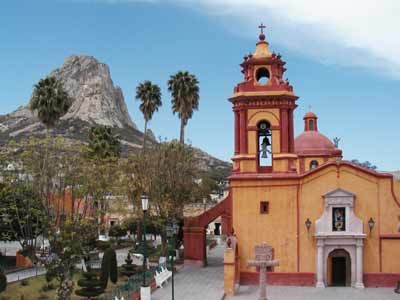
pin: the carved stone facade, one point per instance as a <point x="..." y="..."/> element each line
<point x="329" y="239"/>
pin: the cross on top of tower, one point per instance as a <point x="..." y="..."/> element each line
<point x="262" y="27"/>
<point x="262" y="35"/>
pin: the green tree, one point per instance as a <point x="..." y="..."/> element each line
<point x="184" y="88"/>
<point x="72" y="242"/>
<point x="117" y="232"/>
<point x="50" y="101"/>
<point x="103" y="143"/>
<point x="150" y="96"/>
<point x="22" y="216"/>
<point x="169" y="181"/>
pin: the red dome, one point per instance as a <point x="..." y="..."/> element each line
<point x="313" y="143"/>
<point x="310" y="114"/>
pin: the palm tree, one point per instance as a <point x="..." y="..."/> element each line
<point x="150" y="95"/>
<point x="184" y="88"/>
<point x="103" y="143"/>
<point x="50" y="101"/>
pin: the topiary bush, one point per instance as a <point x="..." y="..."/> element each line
<point x="105" y="269"/>
<point x="109" y="268"/>
<point x="113" y="267"/>
<point x="3" y="281"/>
<point x="90" y="284"/>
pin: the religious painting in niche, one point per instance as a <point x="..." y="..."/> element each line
<point x="338" y="219"/>
<point x="264" y="144"/>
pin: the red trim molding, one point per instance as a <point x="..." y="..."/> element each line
<point x="390" y="236"/>
<point x="381" y="279"/>
<point x="274" y="278"/>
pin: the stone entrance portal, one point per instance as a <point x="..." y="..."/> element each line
<point x="339" y="268"/>
<point x="339" y="238"/>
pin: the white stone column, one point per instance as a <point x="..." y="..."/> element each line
<point x="320" y="264"/>
<point x="359" y="264"/>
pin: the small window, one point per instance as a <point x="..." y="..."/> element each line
<point x="262" y="75"/>
<point x="313" y="164"/>
<point x="310" y="125"/>
<point x="264" y="207"/>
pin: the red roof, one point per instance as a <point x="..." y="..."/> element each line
<point x="310" y="114"/>
<point x="313" y="143"/>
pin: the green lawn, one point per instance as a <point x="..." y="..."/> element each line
<point x="15" y="291"/>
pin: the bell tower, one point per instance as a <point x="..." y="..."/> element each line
<point x="263" y="106"/>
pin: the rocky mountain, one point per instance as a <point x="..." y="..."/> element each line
<point x="96" y="100"/>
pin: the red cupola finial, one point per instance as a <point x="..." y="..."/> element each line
<point x="310" y="121"/>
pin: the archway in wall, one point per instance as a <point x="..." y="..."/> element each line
<point x="194" y="230"/>
<point x="339" y="268"/>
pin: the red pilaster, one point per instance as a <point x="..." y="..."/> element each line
<point x="284" y="130"/>
<point x="243" y="132"/>
<point x="237" y="132"/>
<point x="291" y="132"/>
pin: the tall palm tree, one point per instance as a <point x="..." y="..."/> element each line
<point x="184" y="88"/>
<point x="150" y="95"/>
<point x="50" y="101"/>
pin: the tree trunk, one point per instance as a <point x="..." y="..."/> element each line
<point x="144" y="135"/>
<point x="182" y="134"/>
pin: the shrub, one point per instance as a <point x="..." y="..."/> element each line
<point x="24" y="282"/>
<point x="3" y="281"/>
<point x="91" y="286"/>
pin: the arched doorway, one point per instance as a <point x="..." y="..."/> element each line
<point x="194" y="230"/>
<point x="339" y="268"/>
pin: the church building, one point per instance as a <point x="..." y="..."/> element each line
<point x="329" y="222"/>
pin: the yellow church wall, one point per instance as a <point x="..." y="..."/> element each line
<point x="252" y="142"/>
<point x="389" y="209"/>
<point x="308" y="160"/>
<point x="248" y="166"/>
<point x="390" y="254"/>
<point x="255" y="115"/>
<point x="373" y="198"/>
<point x="311" y="206"/>
<point x="277" y="228"/>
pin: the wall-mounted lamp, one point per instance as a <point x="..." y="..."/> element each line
<point x="371" y="224"/>
<point x="308" y="224"/>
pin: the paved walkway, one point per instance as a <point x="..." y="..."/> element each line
<point x="197" y="283"/>
<point x="310" y="293"/>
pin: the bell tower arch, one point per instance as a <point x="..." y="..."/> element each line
<point x="263" y="106"/>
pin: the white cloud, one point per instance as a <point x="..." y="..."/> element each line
<point x="349" y="32"/>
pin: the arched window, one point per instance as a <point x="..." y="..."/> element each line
<point x="264" y="144"/>
<point x="262" y="75"/>
<point x="310" y="124"/>
<point x="313" y="164"/>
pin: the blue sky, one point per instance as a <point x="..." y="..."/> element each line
<point x="344" y="67"/>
